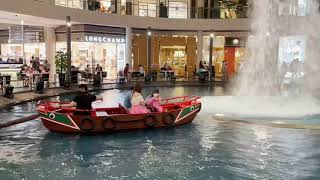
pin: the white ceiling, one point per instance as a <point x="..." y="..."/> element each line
<point x="8" y="18"/>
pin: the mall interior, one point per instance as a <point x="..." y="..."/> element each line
<point x="159" y="89"/>
<point x="112" y="33"/>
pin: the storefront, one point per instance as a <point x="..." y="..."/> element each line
<point x="294" y="8"/>
<point x="231" y="49"/>
<point x="178" y="52"/>
<point x="90" y="48"/>
<point x="15" y="51"/>
<point x="291" y="56"/>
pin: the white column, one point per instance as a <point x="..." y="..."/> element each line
<point x="51" y="51"/>
<point x="199" y="47"/>
<point x="129" y="45"/>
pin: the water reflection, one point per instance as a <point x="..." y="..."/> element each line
<point x="205" y="149"/>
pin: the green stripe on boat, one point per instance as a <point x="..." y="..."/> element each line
<point x="188" y="110"/>
<point x="61" y="118"/>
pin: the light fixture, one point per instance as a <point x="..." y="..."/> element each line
<point x="212" y="35"/>
<point x="268" y="34"/>
<point x="235" y="41"/>
<point x="69" y="24"/>
<point x="22" y="22"/>
<point x="149" y="33"/>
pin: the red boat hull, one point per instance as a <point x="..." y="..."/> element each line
<point x="118" y="119"/>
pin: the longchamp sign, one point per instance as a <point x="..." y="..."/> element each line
<point x="104" y="39"/>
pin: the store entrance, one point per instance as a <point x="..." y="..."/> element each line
<point x="175" y="57"/>
<point x="110" y="56"/>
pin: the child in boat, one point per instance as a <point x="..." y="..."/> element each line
<point x="137" y="102"/>
<point x="153" y="102"/>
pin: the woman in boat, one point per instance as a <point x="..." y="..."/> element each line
<point x="82" y="102"/>
<point x="137" y="102"/>
<point x="153" y="102"/>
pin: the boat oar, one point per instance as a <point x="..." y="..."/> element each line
<point x="19" y="121"/>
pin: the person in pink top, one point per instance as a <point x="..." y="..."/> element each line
<point x="137" y="102"/>
<point x="153" y="102"/>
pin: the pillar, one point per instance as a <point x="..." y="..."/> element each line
<point x="50" y="42"/>
<point x="199" y="47"/>
<point x="129" y="45"/>
<point x="68" y="32"/>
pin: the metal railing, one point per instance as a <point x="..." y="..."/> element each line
<point x="154" y="9"/>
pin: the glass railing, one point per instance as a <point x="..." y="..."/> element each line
<point x="179" y="10"/>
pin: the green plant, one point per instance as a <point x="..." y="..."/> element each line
<point x="61" y="62"/>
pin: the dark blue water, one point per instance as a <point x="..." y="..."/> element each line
<point x="205" y="149"/>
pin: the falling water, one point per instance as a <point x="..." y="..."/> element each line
<point x="272" y="20"/>
<point x="262" y="89"/>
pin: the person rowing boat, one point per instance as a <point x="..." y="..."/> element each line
<point x="82" y="102"/>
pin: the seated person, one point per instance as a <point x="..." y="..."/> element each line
<point x="127" y="100"/>
<point x="87" y="72"/>
<point x="141" y="70"/>
<point x="126" y="70"/>
<point x="137" y="102"/>
<point x="83" y="101"/>
<point x="153" y="102"/>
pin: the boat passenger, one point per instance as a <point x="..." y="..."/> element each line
<point x="83" y="101"/>
<point x="127" y="100"/>
<point x="141" y="71"/>
<point x="153" y="102"/>
<point x="137" y="102"/>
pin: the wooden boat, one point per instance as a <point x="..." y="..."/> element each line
<point x="177" y="111"/>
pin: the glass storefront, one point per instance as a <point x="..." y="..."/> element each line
<point x="291" y="56"/>
<point x="178" y="9"/>
<point x="224" y="9"/>
<point x="105" y="6"/>
<point x="234" y="55"/>
<point x="79" y="4"/>
<point x="111" y="56"/>
<point x="123" y="7"/>
<point x="218" y="48"/>
<point x="145" y="8"/>
<point x="294" y="8"/>
<point x="14" y="51"/>
<point x="175" y="57"/>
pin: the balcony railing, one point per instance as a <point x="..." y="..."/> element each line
<point x="179" y="10"/>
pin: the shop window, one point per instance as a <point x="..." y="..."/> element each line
<point x="107" y="6"/>
<point x="79" y="4"/>
<point x="175" y="57"/>
<point x="111" y="56"/>
<point x="147" y="9"/>
<point x="293" y="8"/>
<point x="123" y="8"/>
<point x="292" y="48"/>
<point x="178" y="9"/>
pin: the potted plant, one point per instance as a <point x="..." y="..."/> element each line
<point x="94" y="5"/>
<point x="61" y="66"/>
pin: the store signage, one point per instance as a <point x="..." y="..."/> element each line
<point x="104" y="39"/>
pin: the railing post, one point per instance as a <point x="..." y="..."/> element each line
<point x="57" y="80"/>
<point x="30" y="82"/>
<point x="4" y="84"/>
<point x="79" y="78"/>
